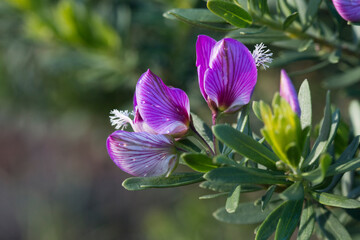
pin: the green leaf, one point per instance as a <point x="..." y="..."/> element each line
<point x="335" y="200"/>
<point x="285" y="58"/>
<point x="199" y="162"/>
<point x="194" y="14"/>
<point x="267" y="197"/>
<point x="349" y="166"/>
<point x="294" y="192"/>
<point x="346" y="79"/>
<point x="224" y="160"/>
<point x="232" y="13"/>
<point x="245" y="213"/>
<point x="327" y="133"/>
<point x="228" y="187"/>
<point x="354" y="111"/>
<point x="267" y="36"/>
<point x="307" y="222"/>
<point x="174" y="180"/>
<point x="245" y="145"/>
<point x="232" y="202"/>
<point x="343" y="164"/>
<point x="293" y="153"/>
<point x="311" y="12"/>
<point x="304" y="45"/>
<point x="244" y="175"/>
<point x="211" y="196"/>
<point x="289" y="219"/>
<point x="290" y="19"/>
<point x="330" y="226"/>
<point x="318" y="175"/>
<point x="304" y="97"/>
<point x="199" y="18"/>
<point x="256" y="109"/>
<point x="268" y="226"/>
<point x="202" y="128"/>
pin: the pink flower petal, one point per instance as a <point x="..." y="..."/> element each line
<point x="231" y="77"/>
<point x="164" y="109"/>
<point x="141" y="153"/>
<point x="288" y="92"/>
<point x="204" y="44"/>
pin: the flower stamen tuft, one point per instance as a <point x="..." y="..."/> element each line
<point x="120" y="119"/>
<point x="262" y="56"/>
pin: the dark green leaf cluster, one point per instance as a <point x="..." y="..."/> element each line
<point x="302" y="195"/>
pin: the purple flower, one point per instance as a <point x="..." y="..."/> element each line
<point x="158" y="109"/>
<point x="166" y="110"/>
<point x="227" y="72"/>
<point x="141" y="153"/>
<point x="348" y="9"/>
<point x="287" y="91"/>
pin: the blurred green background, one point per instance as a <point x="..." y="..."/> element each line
<point x="63" y="66"/>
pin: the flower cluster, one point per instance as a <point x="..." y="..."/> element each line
<point x="227" y="73"/>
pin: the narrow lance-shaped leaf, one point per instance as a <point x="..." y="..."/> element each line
<point x="326" y="135"/>
<point x="246" y="213"/>
<point x="304" y="97"/>
<point x="318" y="175"/>
<point x="244" y="175"/>
<point x="199" y="162"/>
<point x="290" y="19"/>
<point x="232" y="201"/>
<point x="330" y="226"/>
<point x="174" y="180"/>
<point x="307" y="222"/>
<point x="267" y="197"/>
<point x="335" y="200"/>
<point x="245" y="145"/>
<point x="231" y="12"/>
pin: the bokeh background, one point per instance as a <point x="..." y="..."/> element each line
<point x="63" y="66"/>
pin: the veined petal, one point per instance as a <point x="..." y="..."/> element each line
<point x="348" y="9"/>
<point x="164" y="109"/>
<point x="142" y="154"/>
<point x="139" y="125"/>
<point x="204" y="44"/>
<point x="288" y="92"/>
<point x="231" y="76"/>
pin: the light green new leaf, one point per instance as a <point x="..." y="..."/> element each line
<point x="199" y="162"/>
<point x="245" y="145"/>
<point x="232" y="202"/>
<point x="330" y="226"/>
<point x="174" y="180"/>
<point x="232" y="13"/>
<point x="307" y="222"/>
<point x="246" y="213"/>
<point x="335" y="200"/>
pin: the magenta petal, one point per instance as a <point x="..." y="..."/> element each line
<point x="348" y="9"/>
<point x="231" y="76"/>
<point x="164" y="109"/>
<point x="204" y="44"/>
<point x="142" y="154"/>
<point x="288" y="92"/>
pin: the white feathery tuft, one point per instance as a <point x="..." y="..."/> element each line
<point x="120" y="119"/>
<point x="262" y="56"/>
